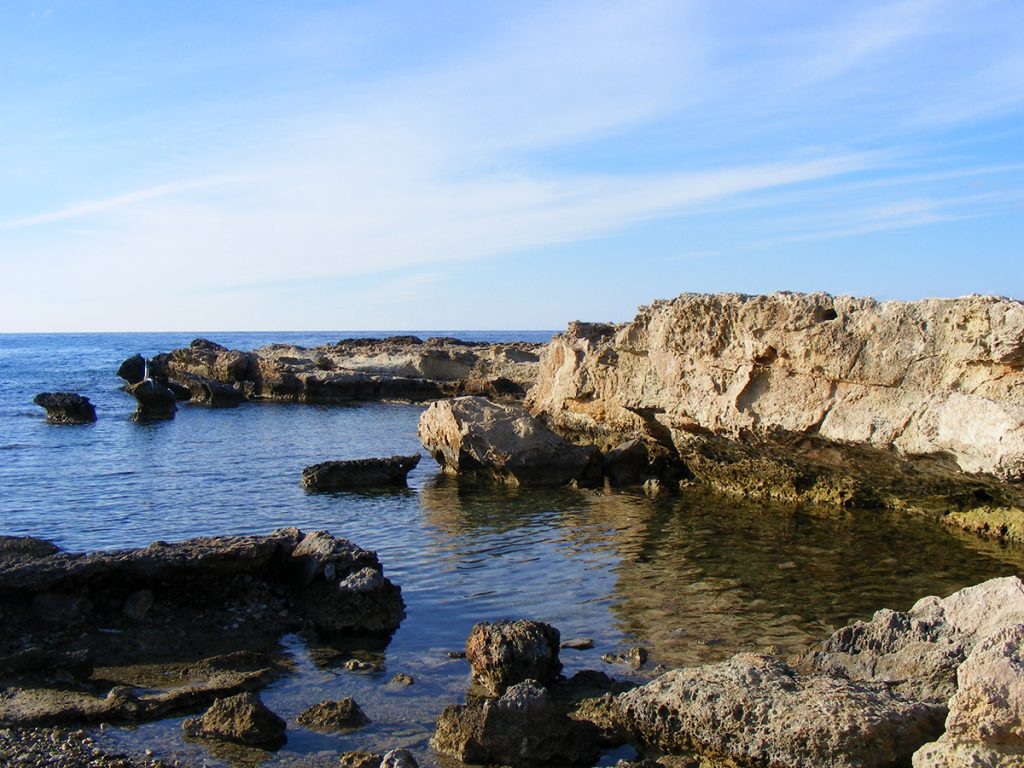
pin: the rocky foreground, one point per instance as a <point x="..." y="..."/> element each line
<point x="795" y="397"/>
<point x="400" y="368"/>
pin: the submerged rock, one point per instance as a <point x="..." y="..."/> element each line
<point x="359" y="473"/>
<point x="755" y="710"/>
<point x="340" y="715"/>
<point x="509" y="652"/>
<point x="243" y="719"/>
<point x="473" y="436"/>
<point x="66" y="407"/>
<point x="155" y="401"/>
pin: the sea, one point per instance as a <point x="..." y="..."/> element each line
<point x="692" y="577"/>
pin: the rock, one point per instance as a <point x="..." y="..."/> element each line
<point x="215" y="394"/>
<point x="401" y="679"/>
<point x="808" y="397"/>
<point x="919" y="651"/>
<point x="985" y="725"/>
<point x="508" y="652"/>
<point x="755" y="710"/>
<point x="66" y="407"/>
<point x="525" y="726"/>
<point x="360" y="759"/>
<point x="155" y="401"/>
<point x="133" y="370"/>
<point x="578" y="644"/>
<point x="334" y="716"/>
<point x="395" y="368"/>
<point x="473" y="436"/>
<point x="138" y="604"/>
<point x="243" y="719"/>
<point x="398" y="758"/>
<point x="359" y="473"/>
<point x="626" y="463"/>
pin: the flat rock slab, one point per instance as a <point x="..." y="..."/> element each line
<point x="359" y="473"/>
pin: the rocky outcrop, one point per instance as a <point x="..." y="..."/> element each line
<point x="359" y="473"/>
<point x="66" y="407"/>
<point x="341" y="715"/>
<point x="229" y="598"/>
<point x="243" y="719"/>
<point x="396" y="368"/>
<point x="755" y="710"/>
<point x="807" y="396"/>
<point x="505" y="653"/>
<point x="473" y="436"/>
<point x="155" y="402"/>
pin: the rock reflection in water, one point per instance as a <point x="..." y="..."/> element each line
<point x="695" y="577"/>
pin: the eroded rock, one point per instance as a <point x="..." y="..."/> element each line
<point x="359" y="473"/>
<point x="473" y="436"/>
<point x="66" y="407"/>
<point x="341" y="715"/>
<point x="505" y="653"/>
<point x="155" y="402"/>
<point x="244" y="719"/>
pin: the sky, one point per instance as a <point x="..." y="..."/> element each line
<point x="338" y="165"/>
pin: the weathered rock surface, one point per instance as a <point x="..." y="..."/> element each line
<point x="66" y="407"/>
<point x="340" y="715"/>
<point x="918" y="652"/>
<point x="243" y="719"/>
<point x="359" y="473"/>
<point x="230" y="598"/>
<point x="505" y="653"/>
<point x="395" y="368"/>
<point x="755" y="710"/>
<point x="155" y="402"/>
<point x="473" y="436"/>
<point x="807" y="396"/>
<point x="985" y="725"/>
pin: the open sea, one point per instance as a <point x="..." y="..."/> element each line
<point x="692" y="578"/>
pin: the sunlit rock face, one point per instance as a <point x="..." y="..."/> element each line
<point x="940" y="376"/>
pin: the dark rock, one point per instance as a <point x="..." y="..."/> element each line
<point x="398" y="758"/>
<point x="626" y="463"/>
<point x="138" y="604"/>
<point x="340" y="715"/>
<point x="66" y="407"/>
<point x="243" y="719"/>
<point x="578" y="644"/>
<point x="359" y="473"/>
<point x="133" y="370"/>
<point x="155" y="401"/>
<point x="204" y="391"/>
<point x="525" y="726"/>
<point x="508" y="652"/>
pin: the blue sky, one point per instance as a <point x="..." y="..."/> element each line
<point x="361" y="165"/>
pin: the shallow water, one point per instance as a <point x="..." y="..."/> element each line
<point x="693" y="578"/>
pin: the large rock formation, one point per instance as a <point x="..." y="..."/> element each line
<point x="396" y="368"/>
<point x="473" y="436"/>
<point x="813" y="397"/>
<point x="213" y="609"/>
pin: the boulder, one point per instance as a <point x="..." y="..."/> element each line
<point x="243" y="719"/>
<point x="985" y="725"/>
<point x="155" y="401"/>
<point x="133" y="370"/>
<point x="340" y="715"/>
<point x="756" y="710"/>
<point x="626" y="463"/>
<point x="473" y="436"/>
<point x="398" y="758"/>
<point x="505" y="653"/>
<point x="66" y="407"/>
<point x="359" y="473"/>
<point x="525" y="726"/>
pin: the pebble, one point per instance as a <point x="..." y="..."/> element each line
<point x="59" y="748"/>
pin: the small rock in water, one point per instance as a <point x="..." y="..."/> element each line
<point x="401" y="679"/>
<point x="334" y="716"/>
<point x="579" y="644"/>
<point x="360" y="759"/>
<point x="456" y="654"/>
<point x="358" y="665"/>
<point x="398" y="758"/>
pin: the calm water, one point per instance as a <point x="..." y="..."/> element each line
<point x="692" y="578"/>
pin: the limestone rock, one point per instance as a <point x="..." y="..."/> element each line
<point x="755" y="710"/>
<point x="505" y="653"/>
<point x="940" y="376"/>
<point x="66" y="407"/>
<point x="359" y="473"/>
<point x="133" y="369"/>
<point x="343" y="714"/>
<point x="243" y="719"/>
<point x="155" y="401"/>
<point x="398" y="758"/>
<point x="473" y="436"/>
<point x="525" y="726"/>
<point x="626" y="463"/>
